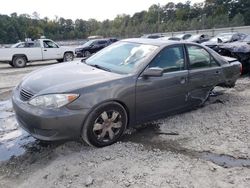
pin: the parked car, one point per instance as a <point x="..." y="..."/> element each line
<point x="184" y="36"/>
<point x="170" y="38"/>
<point x="239" y="50"/>
<point x="42" y="49"/>
<point x="93" y="46"/>
<point x="128" y="83"/>
<point x="223" y="38"/>
<point x="153" y="36"/>
<point x="198" y="38"/>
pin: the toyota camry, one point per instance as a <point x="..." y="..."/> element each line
<point x="128" y="83"/>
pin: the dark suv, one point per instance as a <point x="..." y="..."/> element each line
<point x="93" y="46"/>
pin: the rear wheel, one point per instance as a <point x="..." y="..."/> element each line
<point x="105" y="125"/>
<point x="19" y="61"/>
<point x="68" y="56"/>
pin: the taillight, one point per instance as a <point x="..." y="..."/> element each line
<point x="241" y="69"/>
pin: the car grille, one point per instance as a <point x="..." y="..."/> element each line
<point x="25" y="95"/>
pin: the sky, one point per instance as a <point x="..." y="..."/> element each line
<point x="82" y="9"/>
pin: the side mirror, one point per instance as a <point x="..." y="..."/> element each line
<point x="153" y="72"/>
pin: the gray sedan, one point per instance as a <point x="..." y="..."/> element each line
<point x="130" y="82"/>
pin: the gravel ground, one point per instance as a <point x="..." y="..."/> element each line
<point x="205" y="147"/>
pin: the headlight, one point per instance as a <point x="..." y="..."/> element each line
<point x="53" y="100"/>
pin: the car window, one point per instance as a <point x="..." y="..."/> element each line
<point x="153" y="36"/>
<point x="242" y="36"/>
<point x="170" y="59"/>
<point x="200" y="58"/>
<point x="102" y="42"/>
<point x="22" y="45"/>
<point x="37" y="44"/>
<point x="49" y="44"/>
<point x="30" y="45"/>
<point x="25" y="45"/>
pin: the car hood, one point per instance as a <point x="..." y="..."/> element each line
<point x="240" y="47"/>
<point x="65" y="77"/>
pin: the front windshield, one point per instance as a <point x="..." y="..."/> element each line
<point x="194" y="37"/>
<point x="121" y="57"/>
<point x="88" y="43"/>
<point x="223" y="37"/>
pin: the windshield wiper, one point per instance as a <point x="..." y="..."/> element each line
<point x="100" y="67"/>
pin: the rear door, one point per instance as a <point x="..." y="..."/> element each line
<point x="204" y="73"/>
<point x="156" y="96"/>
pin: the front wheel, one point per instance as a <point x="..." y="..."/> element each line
<point x="68" y="56"/>
<point x="105" y="125"/>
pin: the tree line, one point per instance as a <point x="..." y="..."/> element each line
<point x="158" y="18"/>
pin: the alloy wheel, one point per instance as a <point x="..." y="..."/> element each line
<point x="107" y="125"/>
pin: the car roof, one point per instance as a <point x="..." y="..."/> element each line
<point x="155" y="42"/>
<point x="93" y="40"/>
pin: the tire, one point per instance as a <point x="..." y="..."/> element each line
<point x="105" y="125"/>
<point x="11" y="63"/>
<point x="68" y="56"/>
<point x="19" y="61"/>
<point x="59" y="60"/>
<point x="87" y="54"/>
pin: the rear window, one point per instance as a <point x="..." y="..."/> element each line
<point x="217" y="56"/>
<point x="200" y="58"/>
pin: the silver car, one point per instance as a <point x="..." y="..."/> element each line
<point x="130" y="82"/>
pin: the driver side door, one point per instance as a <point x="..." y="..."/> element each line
<point x="51" y="50"/>
<point x="157" y="96"/>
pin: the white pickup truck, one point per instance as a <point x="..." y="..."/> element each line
<point x="43" y="49"/>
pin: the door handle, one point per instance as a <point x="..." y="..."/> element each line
<point x="45" y="50"/>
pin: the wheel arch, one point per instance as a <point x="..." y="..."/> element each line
<point x="20" y="55"/>
<point x="69" y="52"/>
<point x="106" y="102"/>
